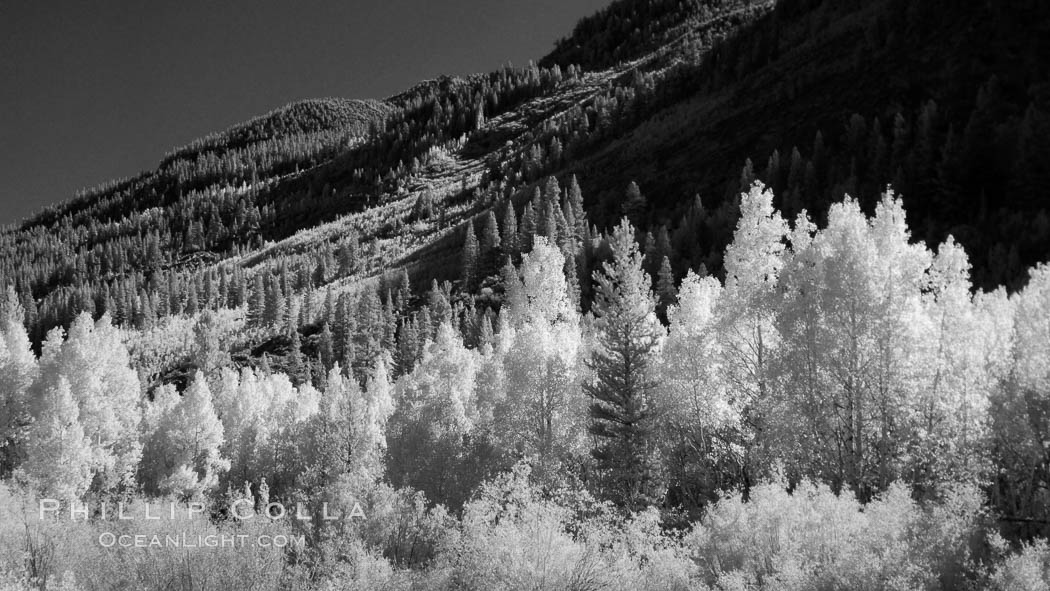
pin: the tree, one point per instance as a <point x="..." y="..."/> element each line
<point x="850" y="320"/>
<point x="622" y="406"/>
<point x="326" y="347"/>
<point x="257" y="302"/>
<point x="753" y="261"/>
<point x="349" y="255"/>
<point x="700" y="419"/>
<point x="18" y="372"/>
<point x="574" y="196"/>
<point x="182" y="456"/>
<point x="527" y="229"/>
<point x="264" y="418"/>
<point x="470" y="258"/>
<point x="275" y="307"/>
<point x="666" y="292"/>
<point x="634" y="205"/>
<point x="509" y="243"/>
<point x="95" y="362"/>
<point x="208" y="353"/>
<point x="490" y="246"/>
<point x="1020" y="412"/>
<point x="543" y="416"/>
<point x="58" y="456"/>
<point x="436" y="413"/>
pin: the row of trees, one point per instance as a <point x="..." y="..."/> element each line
<point x="848" y="355"/>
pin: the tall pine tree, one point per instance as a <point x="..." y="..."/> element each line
<point x="621" y="411"/>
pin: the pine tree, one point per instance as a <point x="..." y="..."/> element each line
<point x="349" y="255"/>
<point x="407" y="346"/>
<point x="574" y="196"/>
<point x="275" y="307"/>
<point x="404" y="291"/>
<point x="389" y="328"/>
<point x="437" y="304"/>
<point x="490" y="246"/>
<point x="191" y="301"/>
<point x="208" y="354"/>
<point x="509" y="243"/>
<point x="666" y="293"/>
<point x="621" y="409"/>
<point x="296" y="367"/>
<point x="486" y="337"/>
<point x="634" y="205"/>
<point x="548" y="222"/>
<point x="470" y="258"/>
<point x="326" y="347"/>
<point x="528" y="229"/>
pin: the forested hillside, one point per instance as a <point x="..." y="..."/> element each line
<point x="719" y="295"/>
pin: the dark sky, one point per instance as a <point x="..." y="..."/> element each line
<point x="91" y="91"/>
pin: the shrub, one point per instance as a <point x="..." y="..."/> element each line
<point x="1027" y="570"/>
<point x="815" y="539"/>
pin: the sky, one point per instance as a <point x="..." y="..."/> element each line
<point x="94" y="91"/>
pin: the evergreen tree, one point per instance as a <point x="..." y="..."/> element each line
<point x="509" y="243"/>
<point x="666" y="293"/>
<point x="437" y="304"/>
<point x="275" y="306"/>
<point x="296" y="367"/>
<point x="621" y="410"/>
<point x="349" y="255"/>
<point x="208" y="354"/>
<point x="326" y="347"/>
<point x="634" y="205"/>
<point x="528" y="228"/>
<point x="490" y="246"/>
<point x="574" y="196"/>
<point x="470" y="258"/>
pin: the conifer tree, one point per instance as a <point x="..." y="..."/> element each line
<point x="528" y="229"/>
<point x="404" y="291"/>
<point x="470" y="258"/>
<point x="509" y="244"/>
<point x="574" y="196"/>
<point x="275" y="307"/>
<point x="634" y="205"/>
<point x="440" y="309"/>
<point x="490" y="246"/>
<point x="208" y="354"/>
<point x="621" y="409"/>
<point x="326" y="347"/>
<point x="295" y="357"/>
<point x="666" y="293"/>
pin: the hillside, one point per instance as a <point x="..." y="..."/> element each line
<point x="690" y="100"/>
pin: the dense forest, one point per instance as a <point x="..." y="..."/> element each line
<point x="720" y="294"/>
<point x="756" y="432"/>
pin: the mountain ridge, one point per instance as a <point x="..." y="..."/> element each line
<point x="701" y="98"/>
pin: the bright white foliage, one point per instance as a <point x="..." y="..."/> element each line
<point x="94" y="361"/>
<point x="695" y="391"/>
<point x="543" y="410"/>
<point x="182" y="454"/>
<point x="440" y="389"/>
<point x="18" y="371"/>
<point x="1033" y="331"/>
<point x="261" y="416"/>
<point x="753" y="262"/>
<point x="58" y="457"/>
